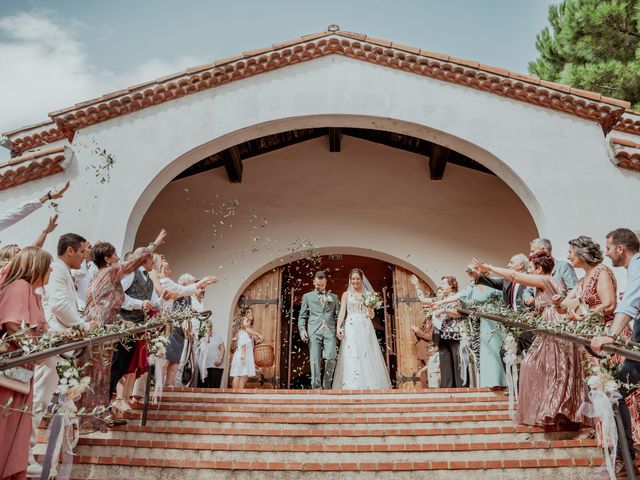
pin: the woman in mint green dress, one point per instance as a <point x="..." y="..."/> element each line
<point x="492" y="373"/>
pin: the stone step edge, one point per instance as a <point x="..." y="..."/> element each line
<point x="341" y="432"/>
<point x="280" y="391"/>
<point x="321" y="410"/>
<point x="339" y="448"/>
<point x="340" y="466"/>
<point x="136" y="415"/>
<point x="169" y="399"/>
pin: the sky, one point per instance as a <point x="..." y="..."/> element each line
<point x="54" y="54"/>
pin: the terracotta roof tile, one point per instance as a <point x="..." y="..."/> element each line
<point x="379" y="41"/>
<point x="32" y="166"/>
<point x="358" y="46"/>
<point x="406" y="48"/>
<point x="626" y="153"/>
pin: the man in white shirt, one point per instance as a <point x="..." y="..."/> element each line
<point x="16" y="214"/>
<point x="623" y="248"/>
<point x="61" y="311"/>
<point x="82" y="277"/>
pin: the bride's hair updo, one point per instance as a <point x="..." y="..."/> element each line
<point x="358" y="271"/>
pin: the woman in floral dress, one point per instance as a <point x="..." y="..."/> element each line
<point x="104" y="299"/>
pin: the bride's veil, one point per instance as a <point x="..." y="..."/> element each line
<point x="366" y="286"/>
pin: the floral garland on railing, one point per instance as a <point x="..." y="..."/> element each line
<point x="30" y="343"/>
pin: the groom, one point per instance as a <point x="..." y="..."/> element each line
<point x="317" y="325"/>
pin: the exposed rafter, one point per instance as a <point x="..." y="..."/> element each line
<point x="233" y="164"/>
<point x="233" y="157"/>
<point x="438" y="161"/>
<point x="335" y="140"/>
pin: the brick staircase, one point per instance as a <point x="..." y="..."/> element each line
<point x="400" y="434"/>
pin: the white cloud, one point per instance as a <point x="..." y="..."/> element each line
<point x="45" y="67"/>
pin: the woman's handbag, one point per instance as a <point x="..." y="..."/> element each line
<point x="17" y="379"/>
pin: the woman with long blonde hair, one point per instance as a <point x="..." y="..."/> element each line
<point x="19" y="305"/>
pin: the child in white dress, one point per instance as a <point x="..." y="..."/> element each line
<point x="242" y="364"/>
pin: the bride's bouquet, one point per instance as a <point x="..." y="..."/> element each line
<point x="371" y="299"/>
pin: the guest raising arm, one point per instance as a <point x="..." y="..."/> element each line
<point x="16" y="214"/>
<point x="104" y="299"/>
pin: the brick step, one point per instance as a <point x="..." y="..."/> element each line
<point x="435" y="417"/>
<point x="333" y="401"/>
<point x="289" y="393"/>
<point x="323" y="411"/>
<point x="158" y="436"/>
<point x="94" y="468"/>
<point x="353" y="453"/>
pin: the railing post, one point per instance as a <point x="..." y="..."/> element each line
<point x="145" y="407"/>
<point x="624" y="445"/>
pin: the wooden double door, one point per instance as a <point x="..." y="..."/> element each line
<point x="275" y="299"/>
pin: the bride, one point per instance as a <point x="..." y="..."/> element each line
<point x="360" y="363"/>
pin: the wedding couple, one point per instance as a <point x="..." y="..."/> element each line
<point x="360" y="365"/>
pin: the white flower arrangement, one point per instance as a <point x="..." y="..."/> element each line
<point x="509" y="344"/>
<point x="372" y="300"/>
<point x="70" y="383"/>
<point x="158" y="346"/>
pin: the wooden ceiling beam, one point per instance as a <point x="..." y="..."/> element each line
<point x="233" y="164"/>
<point x="335" y="140"/>
<point x="438" y="161"/>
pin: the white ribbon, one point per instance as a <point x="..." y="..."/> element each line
<point x="465" y="349"/>
<point x="512" y="380"/>
<point x="66" y="439"/>
<point x="159" y="365"/>
<point x="602" y="409"/>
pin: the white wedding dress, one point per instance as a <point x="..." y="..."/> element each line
<point x="360" y="365"/>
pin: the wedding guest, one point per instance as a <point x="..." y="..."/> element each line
<point x="83" y="275"/>
<point x="242" y="363"/>
<point x="515" y="296"/>
<point x="623" y="248"/>
<point x="255" y="336"/>
<point x="61" y="312"/>
<point x="9" y="251"/>
<point x="563" y="272"/>
<point x="211" y="350"/>
<point x="16" y="214"/>
<point x="446" y="320"/>
<point x="552" y="386"/>
<point x="181" y="297"/>
<point x="104" y="299"/>
<point x="19" y="303"/>
<point x="424" y="349"/>
<point x="139" y="299"/>
<point x="477" y="295"/>
<point x="597" y="289"/>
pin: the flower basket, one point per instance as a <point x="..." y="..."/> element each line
<point x="264" y="355"/>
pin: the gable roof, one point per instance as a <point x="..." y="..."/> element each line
<point x="525" y="88"/>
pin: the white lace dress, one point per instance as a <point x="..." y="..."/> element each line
<point x="361" y="364"/>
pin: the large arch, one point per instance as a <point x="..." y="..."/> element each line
<point x="476" y="152"/>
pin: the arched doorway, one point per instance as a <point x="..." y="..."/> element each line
<point x="275" y="299"/>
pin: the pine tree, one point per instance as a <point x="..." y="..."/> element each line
<point x="593" y="45"/>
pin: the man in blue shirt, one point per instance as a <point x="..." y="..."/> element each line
<point x="623" y="249"/>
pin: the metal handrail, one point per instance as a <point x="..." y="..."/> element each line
<point x="76" y="345"/>
<point x="585" y="342"/>
<point x="623" y="352"/>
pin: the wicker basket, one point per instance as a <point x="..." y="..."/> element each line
<point x="263" y="355"/>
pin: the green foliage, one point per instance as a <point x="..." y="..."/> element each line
<point x="593" y="45"/>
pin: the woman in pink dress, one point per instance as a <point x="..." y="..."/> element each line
<point x="104" y="299"/>
<point x="19" y="303"/>
<point x="552" y="385"/>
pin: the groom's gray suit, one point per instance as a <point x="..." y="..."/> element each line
<point x="318" y="317"/>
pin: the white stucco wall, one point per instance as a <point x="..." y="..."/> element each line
<point x="369" y="199"/>
<point x="555" y="162"/>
